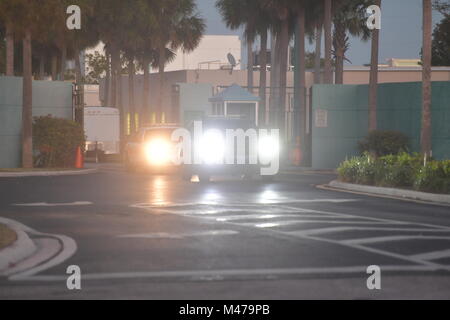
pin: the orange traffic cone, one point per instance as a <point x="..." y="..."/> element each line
<point x="79" y="161"/>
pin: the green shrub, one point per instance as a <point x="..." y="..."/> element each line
<point x="382" y="143"/>
<point x="55" y="142"/>
<point x="434" y="177"/>
<point x="397" y="170"/>
<point x="358" y="170"/>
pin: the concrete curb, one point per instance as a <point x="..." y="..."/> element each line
<point x="303" y="172"/>
<point x="47" y="173"/>
<point x="22" y="248"/>
<point x="392" y="192"/>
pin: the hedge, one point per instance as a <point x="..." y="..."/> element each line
<point x="55" y="142"/>
<point x="399" y="171"/>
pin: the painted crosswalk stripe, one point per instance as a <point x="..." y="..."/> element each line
<point x="433" y="255"/>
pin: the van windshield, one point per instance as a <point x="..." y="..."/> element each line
<point x="158" y="133"/>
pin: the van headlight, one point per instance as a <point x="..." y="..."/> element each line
<point x="268" y="148"/>
<point x="157" y="152"/>
<point x="212" y="147"/>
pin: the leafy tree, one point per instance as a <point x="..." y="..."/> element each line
<point x="179" y="26"/>
<point x="256" y="22"/>
<point x="98" y="65"/>
<point x="441" y="43"/>
<point x="349" y="18"/>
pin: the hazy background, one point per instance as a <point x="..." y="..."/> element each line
<point x="401" y="32"/>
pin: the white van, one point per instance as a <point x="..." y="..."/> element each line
<point x="102" y="128"/>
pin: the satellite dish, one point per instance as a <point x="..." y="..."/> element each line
<point x="232" y="62"/>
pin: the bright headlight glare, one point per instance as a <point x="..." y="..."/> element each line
<point x="212" y="147"/>
<point x="268" y="147"/>
<point x="157" y="151"/>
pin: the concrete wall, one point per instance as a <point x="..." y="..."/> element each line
<point x="54" y="98"/>
<point x="340" y="118"/>
<point x="194" y="101"/>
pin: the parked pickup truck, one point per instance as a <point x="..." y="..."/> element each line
<point x="151" y="148"/>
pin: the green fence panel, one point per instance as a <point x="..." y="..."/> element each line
<point x="340" y="118"/>
<point x="49" y="98"/>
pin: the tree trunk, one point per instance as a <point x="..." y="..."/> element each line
<point x="146" y="114"/>
<point x="107" y="79"/>
<point x="274" y="67"/>
<point x="250" y="64"/>
<point x="318" y="54"/>
<point x="79" y="111"/>
<point x="132" y="110"/>
<point x="426" y="138"/>
<point x="119" y="103"/>
<point x="263" y="78"/>
<point x="328" y="76"/>
<point x="284" y="47"/>
<point x="54" y="67"/>
<point x="42" y="66"/>
<point x="373" y="81"/>
<point x="339" y="49"/>
<point x="115" y="61"/>
<point x="9" y="50"/>
<point x="63" y="62"/>
<point x="27" y="108"/>
<point x="300" y="86"/>
<point x="159" y="105"/>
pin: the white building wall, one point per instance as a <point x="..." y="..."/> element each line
<point x="212" y="48"/>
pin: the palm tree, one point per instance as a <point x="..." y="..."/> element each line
<point x="349" y="18"/>
<point x="7" y="16"/>
<point x="179" y="27"/>
<point x="256" y="21"/>
<point x="426" y="142"/>
<point x="9" y="50"/>
<point x="328" y="72"/>
<point x="26" y="16"/>
<point x="318" y="51"/>
<point x="373" y="82"/>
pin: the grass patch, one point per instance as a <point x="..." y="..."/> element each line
<point x="7" y="236"/>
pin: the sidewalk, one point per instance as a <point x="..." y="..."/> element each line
<point x="17" y="173"/>
<point x="306" y="170"/>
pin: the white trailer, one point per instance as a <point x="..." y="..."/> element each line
<point x="102" y="128"/>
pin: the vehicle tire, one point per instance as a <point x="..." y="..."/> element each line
<point x="128" y="166"/>
<point x="186" y="177"/>
<point x="204" y="178"/>
<point x="268" y="178"/>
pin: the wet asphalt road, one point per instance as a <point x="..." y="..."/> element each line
<point x="141" y="236"/>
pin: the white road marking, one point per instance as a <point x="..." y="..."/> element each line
<point x="299" y="221"/>
<point x="270" y="211"/>
<point x="162" y="235"/>
<point x="342" y="229"/>
<point x="267" y="216"/>
<point x="392" y="238"/>
<point x="222" y="274"/>
<point x="433" y="255"/>
<point x="45" y="204"/>
<point x="68" y="249"/>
